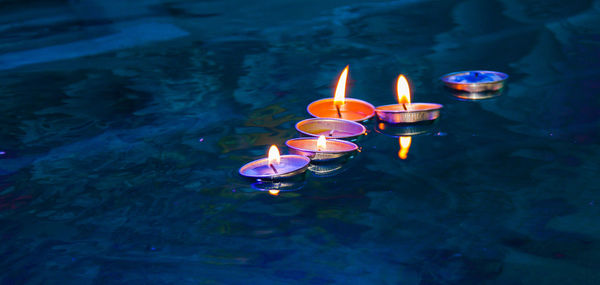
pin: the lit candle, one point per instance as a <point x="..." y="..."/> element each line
<point x="341" y="107"/>
<point x="405" y="111"/>
<point x="331" y="128"/>
<point x="321" y="149"/>
<point x="275" y="166"/>
<point x="321" y="143"/>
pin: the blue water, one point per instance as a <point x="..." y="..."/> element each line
<point x="123" y="127"/>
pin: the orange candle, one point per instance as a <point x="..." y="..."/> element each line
<point x="341" y="107"/>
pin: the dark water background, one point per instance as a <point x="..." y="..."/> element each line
<point x="123" y="126"/>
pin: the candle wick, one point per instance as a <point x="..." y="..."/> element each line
<point x="273" y="167"/>
<point x="337" y="107"/>
<point x="331" y="132"/>
<point x="404" y="106"/>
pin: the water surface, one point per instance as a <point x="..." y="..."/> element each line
<point x="124" y="125"/>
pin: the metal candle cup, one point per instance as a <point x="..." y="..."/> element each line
<point x="331" y="128"/>
<point x="414" y="112"/>
<point x="406" y="112"/>
<point x="289" y="166"/>
<point x="340" y="107"/>
<point x="475" y="80"/>
<point x="334" y="149"/>
<point x="286" y="166"/>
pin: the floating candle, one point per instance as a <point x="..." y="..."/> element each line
<point x="321" y="149"/>
<point x="276" y="187"/>
<point x="275" y="166"/>
<point x="475" y="81"/>
<point x="341" y="107"/>
<point x="405" y="111"/>
<point x="331" y="128"/>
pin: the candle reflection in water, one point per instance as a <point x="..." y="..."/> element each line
<point x="277" y="188"/>
<point x="331" y="168"/>
<point x="404" y="130"/>
<point x="404" y="147"/>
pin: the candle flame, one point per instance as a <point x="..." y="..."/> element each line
<point x="340" y="90"/>
<point x="274" y="157"/>
<point x="274" y="192"/>
<point x="404" y="147"/>
<point x="403" y="90"/>
<point x="321" y="143"/>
